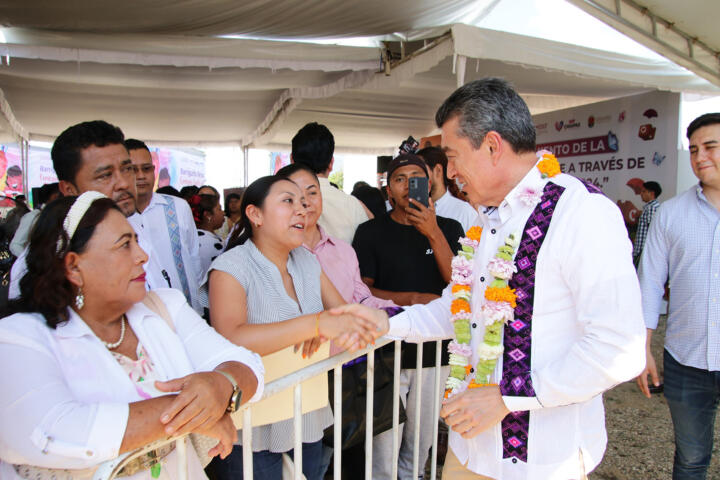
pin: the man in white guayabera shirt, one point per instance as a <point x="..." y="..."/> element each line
<point x="549" y="332"/>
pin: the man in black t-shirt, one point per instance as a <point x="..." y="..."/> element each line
<point x="406" y="256"/>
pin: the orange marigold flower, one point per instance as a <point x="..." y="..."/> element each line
<point x="474" y="233"/>
<point x="548" y="166"/>
<point x="472" y="384"/>
<point x="458" y="288"/>
<point x="505" y="294"/>
<point x="459" y="305"/>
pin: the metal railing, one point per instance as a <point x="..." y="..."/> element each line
<point x="108" y="470"/>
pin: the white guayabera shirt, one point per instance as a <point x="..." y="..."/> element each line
<point x="587" y="331"/>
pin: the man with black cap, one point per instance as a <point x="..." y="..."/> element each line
<point x="406" y="256"/>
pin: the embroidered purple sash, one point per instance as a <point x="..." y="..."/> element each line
<point x="516" y="381"/>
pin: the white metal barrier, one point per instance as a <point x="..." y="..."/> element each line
<point x="110" y="469"/>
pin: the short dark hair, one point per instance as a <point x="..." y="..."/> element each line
<point x="702" y="121"/>
<point x="46" y="191"/>
<point x="289" y="170"/>
<point x="215" y="190"/>
<point x="372" y="198"/>
<point x="435" y="156"/>
<point x="169" y="190"/>
<point x="14" y="171"/>
<point x="44" y="288"/>
<point x="313" y="145"/>
<point x="188" y="191"/>
<point x="69" y="144"/>
<point x="228" y="197"/>
<point x="653" y="187"/>
<point x="135" y="144"/>
<point x="490" y="104"/>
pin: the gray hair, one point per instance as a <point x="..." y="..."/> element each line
<point x="490" y="104"/>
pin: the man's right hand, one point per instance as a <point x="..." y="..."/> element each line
<point x="650" y="368"/>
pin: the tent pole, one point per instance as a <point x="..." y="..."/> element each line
<point x="246" y="169"/>
<point x="460" y="70"/>
<point x="25" y="162"/>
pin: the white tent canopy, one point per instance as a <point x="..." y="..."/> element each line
<point x="167" y="78"/>
<point x="684" y="31"/>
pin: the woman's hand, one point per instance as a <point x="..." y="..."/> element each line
<point x="310" y="346"/>
<point x="201" y="401"/>
<point x="378" y="318"/>
<point x="334" y="325"/>
<point x="225" y="431"/>
<point x="356" y="325"/>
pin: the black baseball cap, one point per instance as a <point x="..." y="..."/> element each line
<point x="404" y="160"/>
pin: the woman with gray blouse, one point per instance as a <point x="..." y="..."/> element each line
<point x="266" y="293"/>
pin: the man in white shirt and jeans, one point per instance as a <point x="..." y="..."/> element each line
<point x="314" y="146"/>
<point x="576" y="329"/>
<point x="446" y="205"/>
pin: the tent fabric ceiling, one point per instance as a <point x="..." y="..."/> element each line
<point x="184" y="51"/>
<point x="255" y="18"/>
<point x="685" y="32"/>
<point x="166" y="81"/>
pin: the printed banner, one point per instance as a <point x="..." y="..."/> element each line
<point x="178" y="168"/>
<point x="617" y="145"/>
<point x="11" y="174"/>
<point x="278" y="160"/>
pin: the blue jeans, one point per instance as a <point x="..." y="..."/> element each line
<point x="267" y="465"/>
<point x="692" y="395"/>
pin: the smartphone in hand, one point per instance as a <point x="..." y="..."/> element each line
<point x="418" y="190"/>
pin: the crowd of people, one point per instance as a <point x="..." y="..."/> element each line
<point x="136" y="314"/>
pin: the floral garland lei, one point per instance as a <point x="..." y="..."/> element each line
<point x="500" y="299"/>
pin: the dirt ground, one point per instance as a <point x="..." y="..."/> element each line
<point x="640" y="433"/>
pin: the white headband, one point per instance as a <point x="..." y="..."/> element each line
<point x="77" y="211"/>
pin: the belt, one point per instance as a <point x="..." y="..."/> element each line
<point x="145" y="461"/>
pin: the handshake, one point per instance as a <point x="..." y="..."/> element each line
<point x="350" y="327"/>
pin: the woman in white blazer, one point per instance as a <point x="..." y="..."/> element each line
<point x="91" y="368"/>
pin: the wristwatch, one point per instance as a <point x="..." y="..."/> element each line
<point x="234" y="403"/>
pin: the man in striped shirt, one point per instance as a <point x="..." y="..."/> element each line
<point x="649" y="194"/>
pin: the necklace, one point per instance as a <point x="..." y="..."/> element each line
<point x="112" y="346"/>
<point x="497" y="310"/>
<point x="500" y="300"/>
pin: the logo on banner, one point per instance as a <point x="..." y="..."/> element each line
<point x="621" y="117"/>
<point x="583" y="146"/>
<point x="658" y="159"/>
<point x="572" y="124"/>
<point x="647" y="132"/>
<point x="591" y="121"/>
